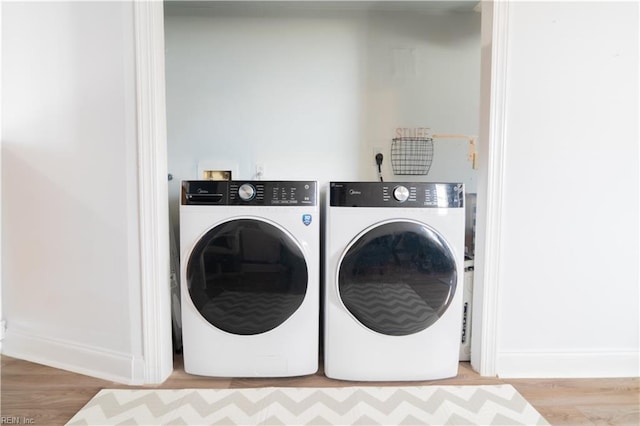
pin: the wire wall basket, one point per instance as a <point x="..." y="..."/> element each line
<point x="411" y="156"/>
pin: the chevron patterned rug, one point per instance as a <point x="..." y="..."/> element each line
<point x="419" y="405"/>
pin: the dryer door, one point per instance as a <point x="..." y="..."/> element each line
<point x="397" y="278"/>
<point x="247" y="276"/>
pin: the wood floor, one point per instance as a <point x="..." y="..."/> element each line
<point x="43" y="395"/>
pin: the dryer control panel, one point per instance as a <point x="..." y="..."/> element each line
<point x="396" y="194"/>
<point x="249" y="193"/>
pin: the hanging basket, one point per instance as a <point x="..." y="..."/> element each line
<point x="411" y="156"/>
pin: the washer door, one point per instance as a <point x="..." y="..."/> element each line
<point x="397" y="278"/>
<point x="247" y="276"/>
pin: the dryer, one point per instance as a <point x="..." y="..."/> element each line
<point x="394" y="268"/>
<point x="250" y="278"/>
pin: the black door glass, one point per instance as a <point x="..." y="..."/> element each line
<point x="398" y="278"/>
<point x="246" y="276"/>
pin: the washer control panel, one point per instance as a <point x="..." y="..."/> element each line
<point x="396" y="194"/>
<point x="249" y="193"/>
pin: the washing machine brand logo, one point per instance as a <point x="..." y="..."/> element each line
<point x="355" y="192"/>
<point x="306" y="219"/>
<point x="202" y="191"/>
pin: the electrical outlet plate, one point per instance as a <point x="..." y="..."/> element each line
<point x="260" y="168"/>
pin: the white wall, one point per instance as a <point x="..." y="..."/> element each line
<point x="310" y="91"/>
<point x="569" y="293"/>
<point x="70" y="249"/>
<point x="422" y="70"/>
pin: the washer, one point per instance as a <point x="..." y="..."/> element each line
<point x="394" y="268"/>
<point x="250" y="278"/>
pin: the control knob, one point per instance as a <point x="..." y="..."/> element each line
<point x="401" y="193"/>
<point x="246" y="192"/>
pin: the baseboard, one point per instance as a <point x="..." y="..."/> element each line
<point x="568" y="364"/>
<point x="82" y="359"/>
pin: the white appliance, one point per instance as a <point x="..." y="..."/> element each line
<point x="394" y="268"/>
<point x="250" y="278"/>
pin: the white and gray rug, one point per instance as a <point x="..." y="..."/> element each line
<point x="410" y="405"/>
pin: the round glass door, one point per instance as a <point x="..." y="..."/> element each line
<point x="246" y="276"/>
<point x="397" y="278"/>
